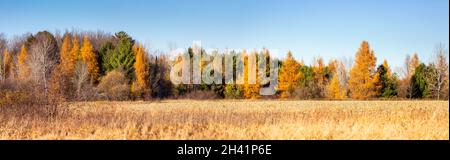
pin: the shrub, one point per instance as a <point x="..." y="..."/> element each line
<point x="114" y="86"/>
<point x="232" y="91"/>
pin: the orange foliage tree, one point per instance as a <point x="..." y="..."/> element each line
<point x="289" y="76"/>
<point x="75" y="51"/>
<point x="67" y="58"/>
<point x="22" y="65"/>
<point x="7" y="64"/>
<point x="88" y="56"/>
<point x="320" y="77"/>
<point x="141" y="68"/>
<point x="251" y="89"/>
<point x="335" y="90"/>
<point x="362" y="75"/>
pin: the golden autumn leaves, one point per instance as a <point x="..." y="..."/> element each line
<point x="141" y="68"/>
<point x="362" y="75"/>
<point x="7" y="65"/>
<point x="78" y="66"/>
<point x="362" y="82"/>
<point x="289" y="76"/>
<point x="71" y="53"/>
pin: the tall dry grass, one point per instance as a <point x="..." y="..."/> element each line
<point x="231" y="119"/>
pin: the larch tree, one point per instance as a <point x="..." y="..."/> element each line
<point x="289" y="76"/>
<point x="22" y="65"/>
<point x="88" y="56"/>
<point x="140" y="86"/>
<point x="388" y="69"/>
<point x="7" y="64"/>
<point x="333" y="65"/>
<point x="413" y="64"/>
<point x="320" y="77"/>
<point x="251" y="89"/>
<point x="67" y="59"/>
<point x="75" y="51"/>
<point x="63" y="82"/>
<point x="335" y="90"/>
<point x="362" y="75"/>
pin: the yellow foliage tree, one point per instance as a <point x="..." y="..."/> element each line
<point x="388" y="70"/>
<point x="413" y="64"/>
<point x="251" y="91"/>
<point x="23" y="68"/>
<point x="289" y="76"/>
<point x="335" y="90"/>
<point x="67" y="58"/>
<point x="320" y="78"/>
<point x="141" y="69"/>
<point x="75" y="51"/>
<point x="88" y="56"/>
<point x="332" y="65"/>
<point x="7" y="64"/>
<point x="362" y="79"/>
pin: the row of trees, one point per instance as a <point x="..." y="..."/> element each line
<point x="98" y="65"/>
<point x="365" y="80"/>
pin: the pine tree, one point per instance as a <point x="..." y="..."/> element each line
<point x="289" y="76"/>
<point x="88" y="56"/>
<point x="420" y="81"/>
<point x="362" y="76"/>
<point x="23" y="67"/>
<point x="123" y="57"/>
<point x="386" y="83"/>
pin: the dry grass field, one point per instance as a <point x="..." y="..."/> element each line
<point x="233" y="119"/>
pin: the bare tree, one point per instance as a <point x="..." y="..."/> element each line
<point x="439" y="76"/>
<point x="43" y="58"/>
<point x="342" y="73"/>
<point x="80" y="78"/>
<point x="407" y="71"/>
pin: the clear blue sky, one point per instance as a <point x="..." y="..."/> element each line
<point x="327" y="28"/>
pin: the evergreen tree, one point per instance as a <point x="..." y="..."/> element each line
<point x="419" y="82"/>
<point x="387" y="83"/>
<point x="123" y="57"/>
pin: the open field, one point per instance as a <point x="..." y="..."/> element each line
<point x="233" y="119"/>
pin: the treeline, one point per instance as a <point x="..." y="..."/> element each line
<point x="79" y="66"/>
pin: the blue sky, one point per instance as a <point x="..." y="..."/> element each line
<point x="327" y="28"/>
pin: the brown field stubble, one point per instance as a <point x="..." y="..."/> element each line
<point x="232" y="119"/>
